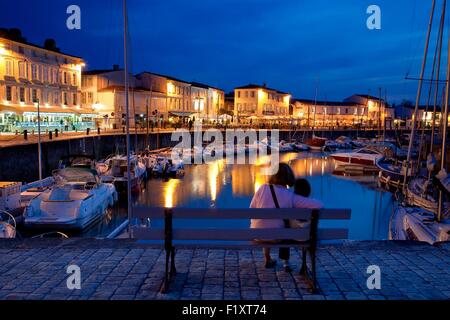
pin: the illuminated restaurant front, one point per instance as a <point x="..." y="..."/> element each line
<point x="26" y="118"/>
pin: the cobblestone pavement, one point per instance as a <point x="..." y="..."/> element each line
<point x="122" y="269"/>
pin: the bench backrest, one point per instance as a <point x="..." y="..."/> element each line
<point x="309" y="231"/>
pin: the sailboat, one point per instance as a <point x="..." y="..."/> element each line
<point x="423" y="214"/>
<point x="315" y="143"/>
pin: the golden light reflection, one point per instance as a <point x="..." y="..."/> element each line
<point x="311" y="167"/>
<point x="214" y="169"/>
<point x="169" y="192"/>
<point x="259" y="180"/>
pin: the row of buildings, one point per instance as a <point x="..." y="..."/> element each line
<point x="42" y="78"/>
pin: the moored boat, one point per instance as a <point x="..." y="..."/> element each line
<point x="417" y="224"/>
<point x="316" y="143"/>
<point x="77" y="200"/>
<point x="365" y="157"/>
<point x="114" y="170"/>
<point x="8" y="225"/>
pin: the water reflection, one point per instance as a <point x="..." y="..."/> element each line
<point x="222" y="185"/>
<point x="170" y="191"/>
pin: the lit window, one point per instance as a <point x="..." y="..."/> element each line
<point x="34" y="72"/>
<point x="22" y="94"/>
<point x="8" y="93"/>
<point x="23" y="70"/>
<point x="9" y="68"/>
<point x="34" y="96"/>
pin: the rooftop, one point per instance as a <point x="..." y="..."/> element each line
<point x="15" y="35"/>
<point x="326" y="103"/>
<point x="264" y="87"/>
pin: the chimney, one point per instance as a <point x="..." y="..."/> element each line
<point x="115" y="67"/>
<point x="264" y="85"/>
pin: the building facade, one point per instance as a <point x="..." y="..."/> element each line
<point x="379" y="113"/>
<point x="32" y="78"/>
<point x="157" y="99"/>
<point x="255" y="103"/>
<point x="328" y="113"/>
<point x="356" y="110"/>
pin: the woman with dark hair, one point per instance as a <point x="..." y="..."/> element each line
<point x="276" y="194"/>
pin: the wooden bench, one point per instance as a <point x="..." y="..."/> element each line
<point x="306" y="237"/>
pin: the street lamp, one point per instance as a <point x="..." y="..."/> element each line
<point x="37" y="104"/>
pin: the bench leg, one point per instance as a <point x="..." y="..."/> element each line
<point x="304" y="268"/>
<point x="165" y="285"/>
<point x="173" y="270"/>
<point x="313" y="267"/>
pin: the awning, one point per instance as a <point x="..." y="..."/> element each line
<point x="181" y="114"/>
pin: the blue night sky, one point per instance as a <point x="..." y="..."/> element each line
<point x="289" y="45"/>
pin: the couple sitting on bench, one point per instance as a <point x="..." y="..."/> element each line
<point x="277" y="195"/>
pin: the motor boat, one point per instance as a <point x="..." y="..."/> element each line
<point x="10" y="200"/>
<point x="188" y="155"/>
<point x="8" y="225"/>
<point x="417" y="224"/>
<point x="77" y="200"/>
<point x="149" y="160"/>
<point x="283" y="146"/>
<point x="114" y="170"/>
<point x="81" y="161"/>
<point x="340" y="143"/>
<point x="298" y="146"/>
<point x="365" y="157"/>
<point x="166" y="167"/>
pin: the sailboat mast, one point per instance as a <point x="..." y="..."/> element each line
<point x="444" y="128"/>
<point x="436" y="92"/>
<point x="127" y="111"/>
<point x="419" y="92"/>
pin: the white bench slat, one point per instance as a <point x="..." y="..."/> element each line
<point x="223" y="234"/>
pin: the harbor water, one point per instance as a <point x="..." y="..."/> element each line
<point x="222" y="185"/>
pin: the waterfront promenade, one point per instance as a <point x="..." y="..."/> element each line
<point x="123" y="269"/>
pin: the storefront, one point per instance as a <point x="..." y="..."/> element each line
<point x="26" y="118"/>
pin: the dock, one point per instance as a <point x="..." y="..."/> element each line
<point x="126" y="270"/>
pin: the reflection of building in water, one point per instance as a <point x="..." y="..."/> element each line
<point x="313" y="166"/>
<point x="214" y="169"/>
<point x="169" y="192"/>
<point x="241" y="181"/>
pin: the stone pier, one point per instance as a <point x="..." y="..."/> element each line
<point x="126" y="270"/>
